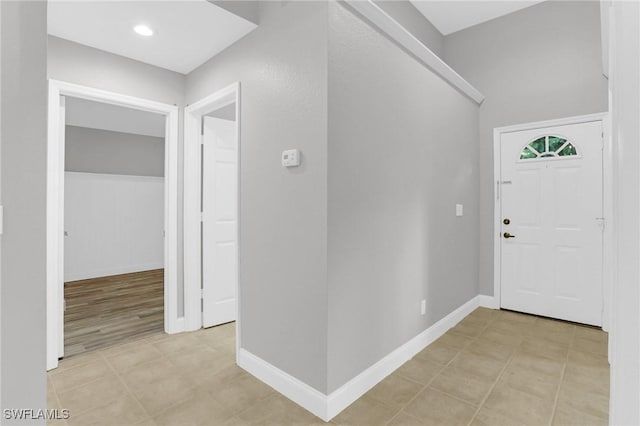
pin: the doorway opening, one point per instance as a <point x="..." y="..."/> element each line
<point x="113" y="225"/>
<point x="552" y="199"/>
<point x="111" y="219"/>
<point x="211" y="202"/>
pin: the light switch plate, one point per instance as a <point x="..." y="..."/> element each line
<point x="291" y="158"/>
<point x="459" y="210"/>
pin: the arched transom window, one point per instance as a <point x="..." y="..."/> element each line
<point x="548" y="147"/>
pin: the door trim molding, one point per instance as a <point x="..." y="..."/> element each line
<point x="55" y="205"/>
<point x="607" y="188"/>
<point x="192" y="189"/>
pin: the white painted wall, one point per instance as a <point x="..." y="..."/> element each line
<point x="114" y="224"/>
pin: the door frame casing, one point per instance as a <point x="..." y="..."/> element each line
<point x="607" y="188"/>
<point x="192" y="202"/>
<point x="55" y="205"/>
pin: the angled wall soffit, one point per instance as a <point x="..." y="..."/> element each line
<point x="396" y="32"/>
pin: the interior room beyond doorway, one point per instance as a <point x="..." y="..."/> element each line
<point x="114" y="183"/>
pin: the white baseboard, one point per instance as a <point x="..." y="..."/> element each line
<point x="328" y="406"/>
<point x="300" y="393"/>
<point x="488" y="302"/>
<point x="342" y="397"/>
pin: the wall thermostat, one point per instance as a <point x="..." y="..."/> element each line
<point x="291" y="158"/>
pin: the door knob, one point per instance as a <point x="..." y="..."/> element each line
<point x="508" y="235"/>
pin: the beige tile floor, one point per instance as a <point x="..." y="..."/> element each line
<point x="494" y="368"/>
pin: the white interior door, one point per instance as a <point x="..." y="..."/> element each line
<point x="551" y="224"/>
<point x="219" y="221"/>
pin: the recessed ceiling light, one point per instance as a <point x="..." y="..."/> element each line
<point x="143" y="30"/>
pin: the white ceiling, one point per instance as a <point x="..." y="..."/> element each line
<point x="97" y="115"/>
<point x="187" y="32"/>
<point x="453" y="15"/>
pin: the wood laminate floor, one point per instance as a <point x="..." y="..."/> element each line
<point x="106" y="311"/>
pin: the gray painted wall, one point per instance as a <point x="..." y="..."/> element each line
<point x="23" y="46"/>
<point x="76" y="63"/>
<point x="402" y="153"/>
<point x="226" y="112"/>
<point x="1" y="102"/>
<point x="247" y="9"/>
<point x="96" y="115"/>
<point x="103" y="151"/>
<point x="409" y="17"/>
<point x="540" y="63"/>
<point x="282" y="67"/>
<point x="625" y="327"/>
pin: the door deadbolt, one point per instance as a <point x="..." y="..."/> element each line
<point x="506" y="221"/>
<point x="508" y="235"/>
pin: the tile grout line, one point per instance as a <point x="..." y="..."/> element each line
<point x="465" y="342"/>
<point x="99" y="356"/>
<point x="55" y="395"/>
<point x="484" y="400"/>
<point x="401" y="410"/>
<point x="424" y="386"/>
<point x="477" y="338"/>
<point x="269" y="395"/>
<point x="96" y="380"/>
<point x="201" y="387"/>
<point x="457" y="398"/>
<point x="240" y="412"/>
<point x="129" y="391"/>
<point x="408" y="402"/>
<point x="562" y="374"/>
<point x="198" y="387"/>
<point x="174" y="404"/>
<point x="76" y="386"/>
<point x="163" y="356"/>
<point x="428" y="385"/>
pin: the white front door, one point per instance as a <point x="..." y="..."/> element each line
<point x="219" y="221"/>
<point x="551" y="228"/>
